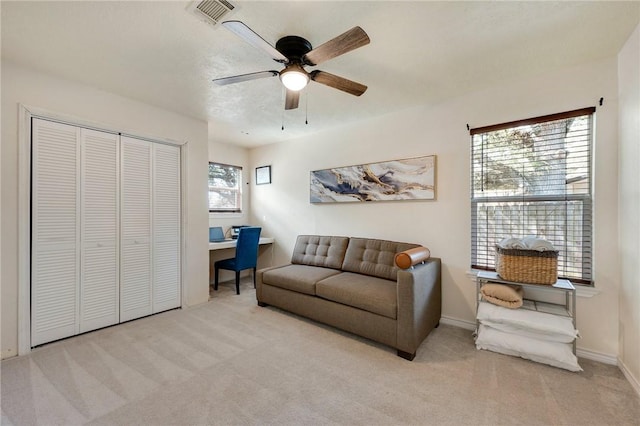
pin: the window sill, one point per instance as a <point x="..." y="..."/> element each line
<point x="221" y="215"/>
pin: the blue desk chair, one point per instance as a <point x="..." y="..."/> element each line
<point x="246" y="256"/>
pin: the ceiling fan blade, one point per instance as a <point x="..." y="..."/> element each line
<point x="291" y="101"/>
<point x="251" y="37"/>
<point x="337" y="82"/>
<point x="352" y="39"/>
<point x="244" y="77"/>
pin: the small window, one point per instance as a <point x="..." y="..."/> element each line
<point x="225" y="188"/>
<point x="534" y="177"/>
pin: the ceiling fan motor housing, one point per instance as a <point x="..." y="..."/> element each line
<point x="293" y="47"/>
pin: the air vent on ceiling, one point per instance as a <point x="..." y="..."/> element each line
<point x="211" y="11"/>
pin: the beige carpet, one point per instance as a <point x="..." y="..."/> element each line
<point x="232" y="362"/>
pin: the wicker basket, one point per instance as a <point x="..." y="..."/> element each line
<point x="527" y="266"/>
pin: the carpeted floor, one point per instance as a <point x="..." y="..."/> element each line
<point x="232" y="362"/>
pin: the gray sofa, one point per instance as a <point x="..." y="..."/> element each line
<point x="353" y="284"/>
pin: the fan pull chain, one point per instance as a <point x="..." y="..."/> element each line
<point x="283" y="120"/>
<point x="306" y="108"/>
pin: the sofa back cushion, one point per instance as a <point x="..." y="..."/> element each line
<point x="316" y="250"/>
<point x="373" y="257"/>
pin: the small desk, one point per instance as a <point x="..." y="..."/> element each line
<point x="232" y="243"/>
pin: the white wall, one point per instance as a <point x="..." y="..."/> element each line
<point x="21" y="85"/>
<point x="629" y="205"/>
<point x="283" y="207"/>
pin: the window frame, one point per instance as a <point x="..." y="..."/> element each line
<point x="238" y="188"/>
<point x="585" y="200"/>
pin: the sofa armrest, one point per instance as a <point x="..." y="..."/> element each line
<point x="259" y="275"/>
<point x="419" y="303"/>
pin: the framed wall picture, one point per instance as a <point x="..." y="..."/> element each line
<point x="263" y="175"/>
<point x="394" y="180"/>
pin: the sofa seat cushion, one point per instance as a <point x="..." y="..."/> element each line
<point x="370" y="294"/>
<point x="300" y="278"/>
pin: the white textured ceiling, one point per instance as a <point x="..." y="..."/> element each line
<point x="420" y="53"/>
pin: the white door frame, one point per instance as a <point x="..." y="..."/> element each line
<point x="25" y="114"/>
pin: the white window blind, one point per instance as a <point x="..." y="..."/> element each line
<point x="225" y="188"/>
<point x="534" y="177"/>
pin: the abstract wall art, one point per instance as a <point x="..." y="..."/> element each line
<point x="408" y="179"/>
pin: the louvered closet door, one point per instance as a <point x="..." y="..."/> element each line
<point x="99" y="271"/>
<point x="135" y="231"/>
<point x="55" y="231"/>
<point x="166" y="227"/>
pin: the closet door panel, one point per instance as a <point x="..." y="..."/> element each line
<point x="135" y="237"/>
<point x="135" y="300"/>
<point x="54" y="231"/>
<point x="99" y="288"/>
<point x="166" y="227"/>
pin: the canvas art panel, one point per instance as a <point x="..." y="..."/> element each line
<point x="394" y="180"/>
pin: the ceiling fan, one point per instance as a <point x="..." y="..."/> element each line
<point x="296" y="53"/>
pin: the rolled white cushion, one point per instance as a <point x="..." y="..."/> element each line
<point x="551" y="353"/>
<point x="540" y="325"/>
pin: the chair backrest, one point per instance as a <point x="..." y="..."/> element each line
<point x="247" y="247"/>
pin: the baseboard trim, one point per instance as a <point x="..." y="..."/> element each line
<point x="635" y="384"/>
<point x="597" y="356"/>
<point x="468" y="325"/>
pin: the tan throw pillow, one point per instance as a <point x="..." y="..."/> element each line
<point x="509" y="296"/>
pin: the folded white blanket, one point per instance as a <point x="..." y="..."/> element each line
<point x="539" y="325"/>
<point x="526" y="243"/>
<point x="533" y="243"/>
<point x="512" y="243"/>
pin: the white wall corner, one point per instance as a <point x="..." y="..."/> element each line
<point x="635" y="383"/>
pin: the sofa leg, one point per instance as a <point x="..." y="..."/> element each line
<point x="406" y="355"/>
<point x="437" y="325"/>
<point x="262" y="304"/>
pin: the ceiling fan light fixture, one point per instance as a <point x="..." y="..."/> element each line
<point x="294" y="77"/>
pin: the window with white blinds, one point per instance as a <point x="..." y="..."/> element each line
<point x="225" y="188"/>
<point x="534" y="177"/>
